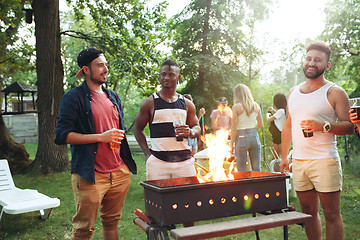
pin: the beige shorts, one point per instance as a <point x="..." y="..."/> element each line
<point x="325" y="175"/>
<point x="107" y="194"/>
<point x="158" y="169"/>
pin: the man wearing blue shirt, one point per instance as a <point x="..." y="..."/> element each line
<point x="91" y="120"/>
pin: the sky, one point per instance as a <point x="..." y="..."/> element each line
<point x="296" y="19"/>
<point x="289" y="22"/>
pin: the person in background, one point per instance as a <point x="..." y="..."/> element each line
<point x="193" y="141"/>
<point x="276" y="118"/>
<point x="318" y="110"/>
<point x="246" y="116"/>
<point x="221" y="116"/>
<point x="91" y="120"/>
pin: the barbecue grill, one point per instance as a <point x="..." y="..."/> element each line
<point x="181" y="200"/>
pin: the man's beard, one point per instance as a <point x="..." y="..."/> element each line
<point x="98" y="80"/>
<point x="313" y="74"/>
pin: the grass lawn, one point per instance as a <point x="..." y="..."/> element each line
<point x="58" y="226"/>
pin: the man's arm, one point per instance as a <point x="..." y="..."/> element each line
<point x="339" y="100"/>
<point x="112" y="135"/>
<point x="286" y="138"/>
<point x="341" y="104"/>
<point x="142" y="119"/>
<point x="192" y="121"/>
<point x="201" y="113"/>
<point x="285" y="144"/>
<point x="213" y="118"/>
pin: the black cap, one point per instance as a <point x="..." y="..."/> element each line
<point x="223" y="100"/>
<point x="86" y="56"/>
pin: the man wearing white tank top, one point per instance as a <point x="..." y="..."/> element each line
<point x="322" y="108"/>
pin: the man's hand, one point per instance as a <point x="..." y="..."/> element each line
<point x="201" y="112"/>
<point x="354" y="117"/>
<point x="112" y="135"/>
<point x="312" y="125"/>
<point x="183" y="131"/>
<point x="284" y="165"/>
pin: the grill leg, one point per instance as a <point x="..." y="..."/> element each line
<point x="257" y="235"/>
<point x="256" y="232"/>
<point x="157" y="233"/>
<point x="152" y="234"/>
<point x="164" y="234"/>
<point x="286" y="232"/>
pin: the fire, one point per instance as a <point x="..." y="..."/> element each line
<point x="218" y="151"/>
<point x="224" y="111"/>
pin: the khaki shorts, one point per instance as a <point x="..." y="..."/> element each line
<point x="158" y="169"/>
<point x="325" y="175"/>
<point x="107" y="194"/>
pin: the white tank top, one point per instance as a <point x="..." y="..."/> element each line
<point x="246" y="122"/>
<point x="314" y="105"/>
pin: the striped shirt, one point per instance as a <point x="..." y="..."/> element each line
<point x="162" y="135"/>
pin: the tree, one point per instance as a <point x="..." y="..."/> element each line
<point x="342" y="31"/>
<point x="128" y="32"/>
<point x="13" y="58"/>
<point x="49" y="157"/>
<point x="210" y="38"/>
<point x="15" y="53"/>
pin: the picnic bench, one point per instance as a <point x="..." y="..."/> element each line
<point x="220" y="229"/>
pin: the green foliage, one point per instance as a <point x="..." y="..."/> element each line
<point x="15" y="51"/>
<point x="342" y="31"/>
<point x="213" y="41"/>
<point x="128" y="32"/>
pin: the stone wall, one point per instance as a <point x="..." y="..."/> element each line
<point x="23" y="128"/>
<point x="134" y="146"/>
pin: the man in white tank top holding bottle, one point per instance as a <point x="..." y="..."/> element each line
<point x="318" y="111"/>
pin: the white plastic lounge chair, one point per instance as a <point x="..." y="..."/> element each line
<point x="15" y="200"/>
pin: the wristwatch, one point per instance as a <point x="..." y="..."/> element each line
<point x="326" y="127"/>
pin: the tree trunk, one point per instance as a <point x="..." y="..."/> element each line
<point x="14" y="152"/>
<point x="49" y="157"/>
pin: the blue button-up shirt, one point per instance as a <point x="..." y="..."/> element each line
<point x="75" y="115"/>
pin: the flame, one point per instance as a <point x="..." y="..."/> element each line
<point x="218" y="151"/>
<point x="225" y="110"/>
